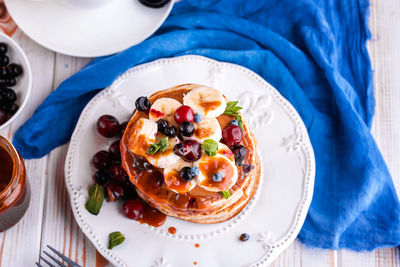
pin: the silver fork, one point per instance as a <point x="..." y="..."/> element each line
<point x="59" y="263"/>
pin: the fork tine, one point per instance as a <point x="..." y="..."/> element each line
<point x="68" y="260"/>
<point x="39" y="265"/>
<point x="55" y="260"/>
<point x="46" y="261"/>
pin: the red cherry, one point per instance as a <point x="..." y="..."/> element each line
<point x="184" y="113"/>
<point x="133" y="209"/>
<point x="232" y="135"/>
<point x="122" y="128"/>
<point x="115" y="151"/>
<point x="188" y="150"/>
<point x="118" y="174"/>
<point x="101" y="159"/>
<point x="114" y="191"/>
<point x="107" y="126"/>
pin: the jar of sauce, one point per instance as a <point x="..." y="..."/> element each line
<point x="15" y="193"/>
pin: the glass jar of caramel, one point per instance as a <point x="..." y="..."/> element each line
<point x="15" y="193"/>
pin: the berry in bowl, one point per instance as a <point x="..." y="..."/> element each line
<point x="15" y="80"/>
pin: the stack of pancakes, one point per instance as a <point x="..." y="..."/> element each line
<point x="197" y="205"/>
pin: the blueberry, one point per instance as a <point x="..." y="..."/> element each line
<point x="170" y="131"/>
<point x="9" y="95"/>
<point x="239" y="161"/>
<point x="234" y="122"/>
<point x="186" y="129"/>
<point x="244" y="237"/>
<point x="3" y="48"/>
<point x="142" y="103"/>
<point x="14" y="70"/>
<point x="239" y="150"/>
<point x="11" y="82"/>
<point x="197" y="118"/>
<point x="4" y="60"/>
<point x="186" y="174"/>
<point x="195" y="171"/>
<point x="101" y="176"/>
<point x="3" y="73"/>
<point x="247" y="168"/>
<point x="217" y="177"/>
<point x="12" y="109"/>
<point x="162" y="125"/>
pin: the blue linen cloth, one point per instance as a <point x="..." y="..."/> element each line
<point x="314" y="53"/>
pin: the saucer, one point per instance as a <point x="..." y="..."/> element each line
<point x="87" y="32"/>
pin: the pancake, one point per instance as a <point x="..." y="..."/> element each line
<point x="197" y="205"/>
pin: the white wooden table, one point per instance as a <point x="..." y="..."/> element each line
<point x="49" y="219"/>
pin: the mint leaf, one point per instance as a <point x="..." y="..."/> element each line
<point x="159" y="146"/>
<point x="116" y="238"/>
<point x="163" y="144"/>
<point x="226" y="194"/>
<point x="232" y="108"/>
<point x="96" y="199"/>
<point x="210" y="147"/>
<point x="240" y="122"/>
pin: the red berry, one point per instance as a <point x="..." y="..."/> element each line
<point x="133" y="209"/>
<point x="118" y="174"/>
<point x="122" y="128"/>
<point x="188" y="150"/>
<point x="102" y="159"/>
<point x="184" y="113"/>
<point x="115" y="150"/>
<point x="107" y="126"/>
<point x="130" y="193"/>
<point x="232" y="135"/>
<point x="102" y="176"/>
<point x="114" y="191"/>
<point x="141" y="164"/>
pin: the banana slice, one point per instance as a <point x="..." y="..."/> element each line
<point x="206" y="101"/>
<point x="164" y="108"/>
<point x="166" y="158"/>
<point x="144" y="134"/>
<point x="174" y="182"/>
<point x="209" y="166"/>
<point x="206" y="129"/>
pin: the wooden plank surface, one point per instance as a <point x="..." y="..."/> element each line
<point x="384" y="52"/>
<point x="49" y="220"/>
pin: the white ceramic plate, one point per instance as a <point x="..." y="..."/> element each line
<point x="24" y="82"/>
<point x="274" y="216"/>
<point x="87" y="33"/>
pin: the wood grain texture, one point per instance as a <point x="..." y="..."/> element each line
<point x="20" y="245"/>
<point x="384" y="52"/>
<point x="49" y="220"/>
<point x="61" y="230"/>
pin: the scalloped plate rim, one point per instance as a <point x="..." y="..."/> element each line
<point x="275" y="248"/>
